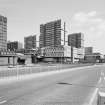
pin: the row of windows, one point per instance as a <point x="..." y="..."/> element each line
<point x="3" y="40"/>
<point x="3" y="32"/>
<point x="54" y="55"/>
<point x="3" y="19"/>
<point x="3" y="28"/>
<point x="3" y="25"/>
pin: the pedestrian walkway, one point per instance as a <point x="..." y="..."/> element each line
<point x="36" y="75"/>
<point x="3" y="68"/>
<point x="17" y="66"/>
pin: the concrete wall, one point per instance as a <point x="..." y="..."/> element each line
<point x="11" y="60"/>
<point x="28" y="60"/>
<point x="4" y="61"/>
<point x="49" y="60"/>
<point x="67" y="51"/>
<point x="90" y="59"/>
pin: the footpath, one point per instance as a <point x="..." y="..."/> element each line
<point x="19" y="77"/>
<point x="37" y="68"/>
<point x="101" y="90"/>
<point x="99" y="93"/>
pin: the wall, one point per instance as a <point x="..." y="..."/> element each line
<point x="90" y="59"/>
<point x="67" y="51"/>
<point x="28" y="60"/>
<point x="4" y="61"/>
<point x="49" y="60"/>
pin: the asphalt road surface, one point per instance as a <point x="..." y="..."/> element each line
<point x="67" y="88"/>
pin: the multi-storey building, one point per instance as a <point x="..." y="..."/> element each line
<point x="51" y="34"/>
<point x="13" y="46"/>
<point x="76" y="40"/>
<point x="88" y="50"/>
<point x="3" y="33"/>
<point x="30" y="42"/>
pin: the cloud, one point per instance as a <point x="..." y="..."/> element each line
<point x="84" y="17"/>
<point x="93" y="27"/>
<point x="91" y="14"/>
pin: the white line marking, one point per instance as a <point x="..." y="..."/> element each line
<point x="102" y="74"/>
<point x="93" y="97"/>
<point x="100" y="80"/>
<point x="3" y="101"/>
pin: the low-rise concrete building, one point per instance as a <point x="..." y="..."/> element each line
<point x="30" y="54"/>
<point x="93" y="58"/>
<point x="8" y="58"/>
<point x="56" y="54"/>
<point x="77" y="54"/>
<point x="62" y="54"/>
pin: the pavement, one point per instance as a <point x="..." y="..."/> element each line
<point x="76" y="86"/>
<point x="15" y="78"/>
<point x="29" y="69"/>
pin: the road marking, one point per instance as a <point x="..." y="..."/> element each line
<point x="4" y="101"/>
<point x="102" y="74"/>
<point x="93" y="97"/>
<point x="100" y="80"/>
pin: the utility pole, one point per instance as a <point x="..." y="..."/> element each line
<point x="64" y="32"/>
<point x="72" y="59"/>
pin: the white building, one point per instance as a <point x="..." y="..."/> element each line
<point x="62" y="53"/>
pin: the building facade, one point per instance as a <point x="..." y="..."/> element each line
<point x="51" y="34"/>
<point x="56" y="54"/>
<point x="13" y="46"/>
<point x="92" y="58"/>
<point x="30" y="42"/>
<point x="88" y="50"/>
<point x="76" y="40"/>
<point x="8" y="58"/>
<point x="3" y="33"/>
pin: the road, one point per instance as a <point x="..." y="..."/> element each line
<point x="74" y="87"/>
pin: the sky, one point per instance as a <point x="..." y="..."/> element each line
<point x="86" y="16"/>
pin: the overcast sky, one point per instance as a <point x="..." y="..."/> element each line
<point x="86" y="16"/>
